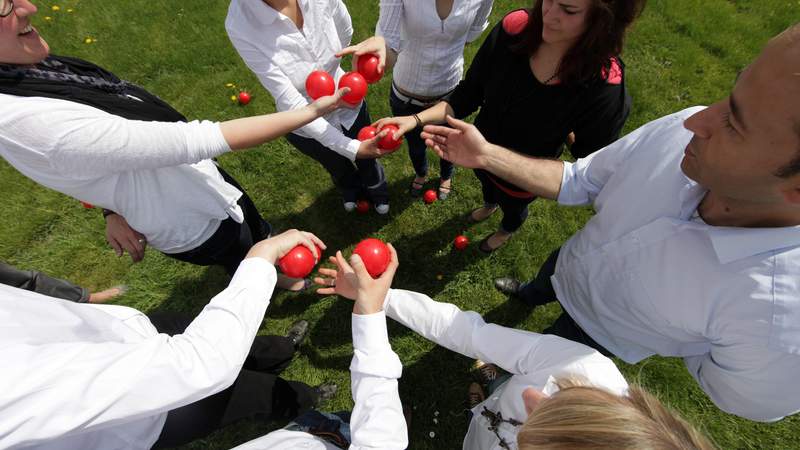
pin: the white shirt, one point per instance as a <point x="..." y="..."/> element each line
<point x="83" y="376"/>
<point x="377" y="420"/>
<point x="155" y="174"/>
<point x="533" y="359"/>
<point x="282" y="56"/>
<point x="430" y="58"/>
<point x="643" y="278"/>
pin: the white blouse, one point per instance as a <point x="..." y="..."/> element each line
<point x="282" y="56"/>
<point x="430" y="50"/>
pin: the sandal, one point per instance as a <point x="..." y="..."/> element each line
<point x="416" y="188"/>
<point x="471" y="218"/>
<point x="444" y="191"/>
<point x="485" y="247"/>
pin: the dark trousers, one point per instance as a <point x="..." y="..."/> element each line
<point x="539" y="291"/>
<point x="229" y="245"/>
<point x="515" y="210"/>
<point x="417" y="150"/>
<point x="349" y="177"/>
<point x="257" y="392"/>
<point x="31" y="280"/>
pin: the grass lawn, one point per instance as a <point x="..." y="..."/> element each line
<point x="681" y="53"/>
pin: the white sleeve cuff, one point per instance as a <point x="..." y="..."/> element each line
<point x="565" y="194"/>
<point x="370" y="333"/>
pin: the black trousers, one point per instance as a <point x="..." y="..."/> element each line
<point x="515" y="210"/>
<point x="349" y="177"/>
<point x="539" y="291"/>
<point x="229" y="245"/>
<point x="35" y="281"/>
<point x="257" y="392"/>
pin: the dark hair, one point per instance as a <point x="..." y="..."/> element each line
<point x="606" y="22"/>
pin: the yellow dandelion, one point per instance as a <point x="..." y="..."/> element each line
<point x="230" y="85"/>
<point x="233" y="98"/>
<point x="56" y="8"/>
<point x="48" y="18"/>
<point x="88" y="40"/>
<point x="70" y="10"/>
<point x="94" y="40"/>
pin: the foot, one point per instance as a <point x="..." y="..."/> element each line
<point x="293" y="284"/>
<point x="475" y="395"/>
<point x="484" y="372"/>
<point x="325" y="392"/>
<point x="444" y="189"/>
<point x="349" y="206"/>
<point x="382" y="209"/>
<point x="482" y="213"/>
<point x="415" y="190"/>
<point x="494" y="241"/>
<point x="108" y="294"/>
<point x="297" y="332"/>
<point x="508" y="286"/>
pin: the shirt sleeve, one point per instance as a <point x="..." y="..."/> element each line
<point x="344" y="24"/>
<point x="601" y="121"/>
<point x="377" y="420"/>
<point x="749" y="380"/>
<point x="516" y="351"/>
<point x="468" y="95"/>
<point x="287" y="97"/>
<point x="75" y="387"/>
<point x="389" y="22"/>
<point x="481" y="21"/>
<point x="85" y="142"/>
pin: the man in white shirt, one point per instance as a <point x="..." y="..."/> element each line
<point x="84" y="376"/>
<point x="695" y="248"/>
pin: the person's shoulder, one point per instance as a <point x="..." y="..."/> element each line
<point x="515" y="22"/>
<point x="613" y="73"/>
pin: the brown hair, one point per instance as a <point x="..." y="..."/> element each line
<point x="606" y="22"/>
<point x="583" y="416"/>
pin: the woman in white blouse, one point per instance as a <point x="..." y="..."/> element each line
<point x="425" y="41"/>
<point x="558" y="393"/>
<point x="282" y="42"/>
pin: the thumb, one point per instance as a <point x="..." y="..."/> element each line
<point x="457" y="124"/>
<point x="358" y="266"/>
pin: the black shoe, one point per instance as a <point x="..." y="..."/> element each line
<point x="325" y="392"/>
<point x="508" y="286"/>
<point x="297" y="332"/>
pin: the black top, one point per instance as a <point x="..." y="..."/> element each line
<point x="522" y="114"/>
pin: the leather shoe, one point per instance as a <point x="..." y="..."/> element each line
<point x="297" y="332"/>
<point x="508" y="286"/>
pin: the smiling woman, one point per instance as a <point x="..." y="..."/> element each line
<point x="20" y="43"/>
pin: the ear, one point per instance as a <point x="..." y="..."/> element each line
<point x="791" y="192"/>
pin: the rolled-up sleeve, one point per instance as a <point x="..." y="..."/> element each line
<point x="481" y="21"/>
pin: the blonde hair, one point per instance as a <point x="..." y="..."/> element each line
<point x="584" y="416"/>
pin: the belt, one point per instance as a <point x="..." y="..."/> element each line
<point x="417" y="101"/>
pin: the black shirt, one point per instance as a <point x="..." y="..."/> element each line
<point x="520" y="113"/>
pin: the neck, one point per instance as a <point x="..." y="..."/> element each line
<point x="554" y="51"/>
<point x="727" y="212"/>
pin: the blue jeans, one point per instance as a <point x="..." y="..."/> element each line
<point x="416" y="146"/>
<point x="334" y="428"/>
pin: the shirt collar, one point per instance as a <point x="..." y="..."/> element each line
<point x="260" y="11"/>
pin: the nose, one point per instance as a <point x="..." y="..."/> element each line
<point x="24" y="8"/>
<point x="702" y="122"/>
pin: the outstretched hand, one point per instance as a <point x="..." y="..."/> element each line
<point x="277" y="246"/>
<point x="374" y="44"/>
<point x="329" y="103"/>
<point x="354" y="282"/>
<point x="461" y="143"/>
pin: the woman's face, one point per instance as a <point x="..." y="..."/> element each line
<point x="20" y="43"/>
<point x="564" y="21"/>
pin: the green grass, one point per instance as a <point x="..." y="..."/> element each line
<point x="681" y="53"/>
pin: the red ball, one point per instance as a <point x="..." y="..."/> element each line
<point x="368" y="67"/>
<point x="375" y="254"/>
<point x="299" y="262"/>
<point x="87" y="205"/>
<point x="357" y="85"/>
<point x="368" y="132"/>
<point x="319" y="84"/>
<point x="362" y="206"/>
<point x="388" y="142"/>
<point x="429" y="196"/>
<point x="460" y="242"/>
<point x="243" y="97"/>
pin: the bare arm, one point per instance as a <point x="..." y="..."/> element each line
<point x="464" y="145"/>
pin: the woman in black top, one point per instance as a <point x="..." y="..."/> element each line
<point x="540" y="75"/>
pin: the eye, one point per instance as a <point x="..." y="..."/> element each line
<point x="726" y="122"/>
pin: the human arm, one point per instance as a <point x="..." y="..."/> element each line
<point x="481" y="20"/>
<point x="122" y="238"/>
<point x="97" y="381"/>
<point x="343" y="23"/>
<point x="35" y="281"/>
<point x="602" y="114"/>
<point x="390" y="19"/>
<point x="748" y="380"/>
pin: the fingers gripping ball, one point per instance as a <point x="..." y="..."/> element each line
<point x="357" y="85"/>
<point x="388" y="142"/>
<point x="320" y="84"/>
<point x="375" y="255"/>
<point x="299" y="262"/>
<point x="368" y="67"/>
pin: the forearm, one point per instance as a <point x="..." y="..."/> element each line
<point x="542" y="177"/>
<point x="252" y="131"/>
<point x="436" y="114"/>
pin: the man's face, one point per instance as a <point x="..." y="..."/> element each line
<point x="19" y="42"/>
<point x="741" y="141"/>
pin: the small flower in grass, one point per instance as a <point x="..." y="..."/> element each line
<point x="56" y="8"/>
<point x="233" y="98"/>
<point x="432" y="435"/>
<point x="48" y="18"/>
<point x="89" y="40"/>
<point x="439" y="277"/>
<point x="70" y="10"/>
<point x="435" y="421"/>
<point x="230" y="85"/>
<point x="436" y="413"/>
